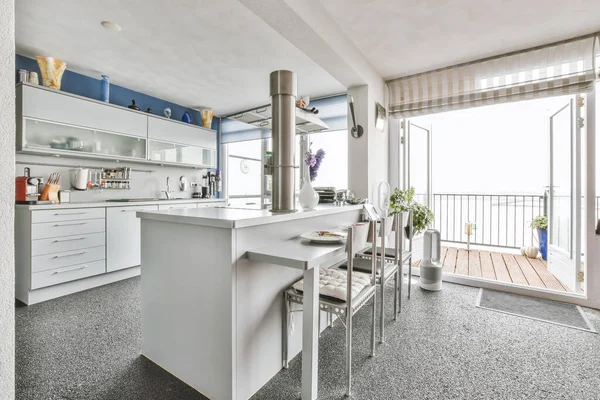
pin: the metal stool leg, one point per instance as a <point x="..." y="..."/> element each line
<point x="395" y="295"/>
<point x="373" y="323"/>
<point x="286" y="316"/>
<point x="348" y="351"/>
<point x="409" y="275"/>
<point x="401" y="283"/>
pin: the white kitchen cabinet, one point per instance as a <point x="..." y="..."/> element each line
<point x="60" y="251"/>
<point x="181" y="143"/>
<point x="52" y="122"/>
<point x="123" y="237"/>
<point x="180" y="132"/>
<point x="164" y="207"/>
<point x="52" y="105"/>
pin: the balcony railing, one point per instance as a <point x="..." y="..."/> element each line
<point x="501" y="220"/>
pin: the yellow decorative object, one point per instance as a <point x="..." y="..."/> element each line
<point x="52" y="71"/>
<point x="207" y="116"/>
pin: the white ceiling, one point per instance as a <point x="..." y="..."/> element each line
<point x="404" y="37"/>
<point x="191" y="52"/>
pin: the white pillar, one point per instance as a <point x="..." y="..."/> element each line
<point x="7" y="199"/>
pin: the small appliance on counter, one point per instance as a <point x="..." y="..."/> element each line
<point x="26" y="188"/>
<point x="326" y="194"/>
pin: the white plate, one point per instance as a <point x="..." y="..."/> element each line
<point x="318" y="237"/>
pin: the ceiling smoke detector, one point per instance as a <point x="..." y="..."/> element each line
<point x="111" y="26"/>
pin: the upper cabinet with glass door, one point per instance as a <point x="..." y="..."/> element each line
<point x="52" y="122"/>
<point x="57" y="123"/>
<point x="181" y="143"/>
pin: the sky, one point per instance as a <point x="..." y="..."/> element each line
<point x="492" y="149"/>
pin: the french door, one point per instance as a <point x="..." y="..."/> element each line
<point x="416" y="166"/>
<point x="417" y="160"/>
<point x="564" y="211"/>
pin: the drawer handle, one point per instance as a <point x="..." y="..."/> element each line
<point x="72" y="254"/>
<point x="69" y="270"/>
<point x="72" y="213"/>
<point x="71" y="223"/>
<point x="69" y="239"/>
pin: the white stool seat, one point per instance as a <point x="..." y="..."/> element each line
<point x="334" y="283"/>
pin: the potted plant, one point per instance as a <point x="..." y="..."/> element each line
<point x="540" y="223"/>
<point x="403" y="201"/>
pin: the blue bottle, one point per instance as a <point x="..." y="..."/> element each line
<point x="186" y="117"/>
<point x="105" y="88"/>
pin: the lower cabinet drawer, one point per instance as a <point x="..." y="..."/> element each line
<point x="70" y="228"/>
<point x="67" y="243"/>
<point x="74" y="257"/>
<point x="66" y="274"/>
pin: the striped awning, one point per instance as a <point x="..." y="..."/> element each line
<point x="566" y="67"/>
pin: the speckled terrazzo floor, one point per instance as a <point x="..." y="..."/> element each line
<point x="87" y="346"/>
<point x="443" y="347"/>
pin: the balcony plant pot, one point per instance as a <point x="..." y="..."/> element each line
<point x="543" y="239"/>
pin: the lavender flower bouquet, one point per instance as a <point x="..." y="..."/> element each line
<point x="314" y="162"/>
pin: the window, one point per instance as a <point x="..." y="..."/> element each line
<point x="334" y="168"/>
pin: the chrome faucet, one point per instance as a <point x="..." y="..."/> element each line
<point x="168" y="192"/>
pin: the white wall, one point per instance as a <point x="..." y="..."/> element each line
<point x="368" y="155"/>
<point x="7" y="165"/>
<point x="143" y="184"/>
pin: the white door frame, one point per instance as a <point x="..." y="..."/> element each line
<point x="406" y="164"/>
<point x="564" y="264"/>
<point x="591" y="285"/>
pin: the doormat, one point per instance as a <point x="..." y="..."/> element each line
<point x="554" y="312"/>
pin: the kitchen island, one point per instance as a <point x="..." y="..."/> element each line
<point x="211" y="316"/>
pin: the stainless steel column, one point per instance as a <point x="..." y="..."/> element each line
<point x="283" y="91"/>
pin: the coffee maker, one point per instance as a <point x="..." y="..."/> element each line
<point x="26" y="188"/>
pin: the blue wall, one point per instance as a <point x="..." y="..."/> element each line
<point x="82" y="85"/>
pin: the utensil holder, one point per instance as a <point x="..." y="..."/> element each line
<point x="50" y="192"/>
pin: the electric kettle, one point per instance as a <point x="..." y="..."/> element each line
<point x="81" y="178"/>
<point x="431" y="268"/>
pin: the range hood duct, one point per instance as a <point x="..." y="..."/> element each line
<point x="283" y="92"/>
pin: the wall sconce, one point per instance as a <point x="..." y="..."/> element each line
<point x="356" y="131"/>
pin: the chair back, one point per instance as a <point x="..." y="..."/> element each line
<point x="357" y="238"/>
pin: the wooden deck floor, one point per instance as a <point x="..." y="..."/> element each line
<point x="502" y="267"/>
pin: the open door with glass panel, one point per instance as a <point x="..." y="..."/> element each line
<point x="564" y="194"/>
<point x="416" y="139"/>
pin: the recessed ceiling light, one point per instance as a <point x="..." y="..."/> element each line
<point x="111" y="26"/>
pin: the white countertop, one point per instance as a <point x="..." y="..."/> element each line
<point x="103" y="203"/>
<point x="234" y="218"/>
<point x="298" y="253"/>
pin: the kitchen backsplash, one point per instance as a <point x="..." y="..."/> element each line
<point x="143" y="184"/>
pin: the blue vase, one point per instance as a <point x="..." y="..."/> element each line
<point x="186" y="117"/>
<point x="104" y="88"/>
<point x="543" y="238"/>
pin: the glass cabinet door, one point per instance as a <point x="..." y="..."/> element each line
<point x="48" y="137"/>
<point x="180" y="153"/>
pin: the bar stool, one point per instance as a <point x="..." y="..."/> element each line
<point x="359" y="289"/>
<point x="405" y="252"/>
<point x="387" y="266"/>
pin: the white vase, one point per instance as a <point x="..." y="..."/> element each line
<point x="308" y="197"/>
